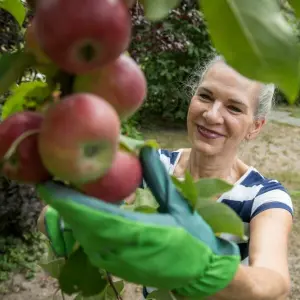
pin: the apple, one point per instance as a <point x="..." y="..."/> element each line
<point x="32" y="45"/>
<point x="121" y="180"/>
<point x="24" y="163"/>
<point x="79" y="138"/>
<point x="122" y="83"/>
<point x="80" y="36"/>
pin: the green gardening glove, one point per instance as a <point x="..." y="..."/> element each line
<point x="174" y="249"/>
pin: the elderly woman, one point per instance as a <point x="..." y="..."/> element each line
<point x="175" y="249"/>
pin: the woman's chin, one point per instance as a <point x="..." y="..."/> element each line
<point x="205" y="148"/>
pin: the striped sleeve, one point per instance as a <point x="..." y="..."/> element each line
<point x="271" y="195"/>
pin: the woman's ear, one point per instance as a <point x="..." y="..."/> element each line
<point x="255" y="129"/>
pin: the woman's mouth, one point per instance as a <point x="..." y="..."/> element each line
<point x="209" y="134"/>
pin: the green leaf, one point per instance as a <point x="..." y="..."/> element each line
<point x="12" y="67"/>
<point x="158" y="9"/>
<point x="187" y="188"/>
<point x="221" y="218"/>
<point x="210" y="188"/>
<point x="256" y="40"/>
<point x="53" y="267"/>
<point x="296" y="6"/>
<point x="144" y="197"/>
<point x="133" y="145"/>
<point x="15" y="8"/>
<point x="35" y="90"/>
<point x="163" y="295"/>
<point x="144" y="202"/>
<point x="100" y="296"/>
<point x="202" y="194"/>
<point x="79" y="276"/>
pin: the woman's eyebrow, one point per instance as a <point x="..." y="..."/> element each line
<point x="236" y="101"/>
<point x="206" y="90"/>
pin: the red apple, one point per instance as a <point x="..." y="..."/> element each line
<point x="24" y="164"/>
<point x="79" y="138"/>
<point x="82" y="35"/>
<point x="122" y="83"/>
<point x="122" y="179"/>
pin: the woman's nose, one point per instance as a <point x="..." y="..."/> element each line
<point x="213" y="113"/>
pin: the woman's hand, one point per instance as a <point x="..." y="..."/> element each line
<point x="173" y="249"/>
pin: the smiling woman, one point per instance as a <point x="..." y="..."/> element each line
<point x="227" y="109"/>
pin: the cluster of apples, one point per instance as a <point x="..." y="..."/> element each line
<point x="77" y="138"/>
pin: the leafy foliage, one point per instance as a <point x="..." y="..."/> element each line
<point x="169" y="51"/>
<point x="15" y="8"/>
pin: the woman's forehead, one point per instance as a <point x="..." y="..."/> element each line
<point x="222" y="76"/>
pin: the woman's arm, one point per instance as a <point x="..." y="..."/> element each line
<point x="267" y="276"/>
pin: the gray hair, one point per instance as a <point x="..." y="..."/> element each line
<point x="265" y="98"/>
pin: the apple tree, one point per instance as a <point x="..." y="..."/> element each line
<point x="72" y="132"/>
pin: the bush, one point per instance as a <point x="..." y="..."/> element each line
<point x="19" y="208"/>
<point x="169" y="52"/>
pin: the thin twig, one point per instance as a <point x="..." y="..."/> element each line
<point x="62" y="295"/>
<point x="113" y="286"/>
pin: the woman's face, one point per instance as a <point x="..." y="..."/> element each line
<point x="221" y="113"/>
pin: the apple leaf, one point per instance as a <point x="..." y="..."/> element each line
<point x="296" y="6"/>
<point x="107" y="294"/>
<point x="211" y="188"/>
<point x="33" y="91"/>
<point x="187" y="188"/>
<point x="164" y="295"/>
<point x="158" y="9"/>
<point x="100" y="296"/>
<point x="202" y="190"/>
<point x="78" y="275"/>
<point x="133" y="145"/>
<point x="53" y="268"/>
<point x="221" y="218"/>
<point x="256" y="40"/>
<point x="15" y="8"/>
<point x="144" y="202"/>
<point x="12" y="67"/>
<point x="202" y="194"/>
<point x="145" y="198"/>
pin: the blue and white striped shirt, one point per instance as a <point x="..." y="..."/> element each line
<point x="251" y="194"/>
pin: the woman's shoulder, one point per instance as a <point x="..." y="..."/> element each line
<point x="258" y="193"/>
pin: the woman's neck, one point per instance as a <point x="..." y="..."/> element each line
<point x="199" y="165"/>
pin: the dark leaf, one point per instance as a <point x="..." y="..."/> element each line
<point x="79" y="276"/>
<point x="12" y="67"/>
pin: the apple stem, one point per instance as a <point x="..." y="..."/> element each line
<point x="17" y="142"/>
<point x="113" y="286"/>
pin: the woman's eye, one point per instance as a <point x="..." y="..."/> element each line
<point x="235" y="109"/>
<point x="205" y="96"/>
